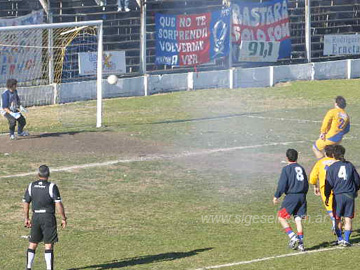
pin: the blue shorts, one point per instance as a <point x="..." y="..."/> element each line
<point x="344" y="205"/>
<point x="293" y="204"/>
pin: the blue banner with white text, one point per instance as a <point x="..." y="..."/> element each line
<point x="266" y="23"/>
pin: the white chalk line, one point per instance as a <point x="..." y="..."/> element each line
<point x="288" y="119"/>
<point x="283" y="119"/>
<point x="269" y="258"/>
<point x="155" y="157"/>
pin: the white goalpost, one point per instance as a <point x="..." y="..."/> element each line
<point x="45" y="58"/>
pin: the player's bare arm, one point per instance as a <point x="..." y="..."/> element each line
<point x="317" y="190"/>
<point x="27" y="222"/>
<point x="7" y="110"/>
<point x="328" y="189"/>
<point x="275" y="200"/>
<point x="61" y="210"/>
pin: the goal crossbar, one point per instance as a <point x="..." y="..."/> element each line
<point x="52" y="25"/>
<point x="99" y="25"/>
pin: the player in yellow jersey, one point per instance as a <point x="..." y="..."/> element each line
<point x="335" y="125"/>
<point x="318" y="176"/>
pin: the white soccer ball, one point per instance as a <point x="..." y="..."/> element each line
<point x="112" y="79"/>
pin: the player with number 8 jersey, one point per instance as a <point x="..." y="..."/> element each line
<point x="294" y="183"/>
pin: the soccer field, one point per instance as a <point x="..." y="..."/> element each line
<point x="177" y="181"/>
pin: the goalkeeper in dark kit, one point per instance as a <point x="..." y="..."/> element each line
<point x="12" y="109"/>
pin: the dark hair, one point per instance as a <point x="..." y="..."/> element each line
<point x="339" y="153"/>
<point x="329" y="150"/>
<point x="44" y="171"/>
<point x="10" y="83"/>
<point x="292" y="155"/>
<point x="341" y="102"/>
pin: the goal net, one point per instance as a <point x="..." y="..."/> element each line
<point x="56" y="64"/>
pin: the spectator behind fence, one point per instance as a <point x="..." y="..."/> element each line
<point x="123" y="5"/>
<point x="101" y="3"/>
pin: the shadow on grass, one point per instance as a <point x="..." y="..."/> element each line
<point x="59" y="134"/>
<point x="353" y="240"/>
<point x="54" y="134"/>
<point x="207" y="118"/>
<point x="144" y="260"/>
<point x="356" y="232"/>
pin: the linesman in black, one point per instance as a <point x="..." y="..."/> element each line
<point x="343" y="179"/>
<point x="45" y="197"/>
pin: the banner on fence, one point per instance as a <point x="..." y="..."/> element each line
<point x="341" y="44"/>
<point x="35" y="17"/>
<point x="259" y="51"/>
<point x="190" y="40"/>
<point x="20" y="51"/>
<point x="266" y="21"/>
<point x="114" y="62"/>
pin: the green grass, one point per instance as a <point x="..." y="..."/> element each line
<point x="181" y="213"/>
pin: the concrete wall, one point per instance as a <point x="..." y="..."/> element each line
<point x="77" y="91"/>
<point x="167" y="83"/>
<point x="252" y="77"/>
<point x="37" y="95"/>
<point x="211" y="79"/>
<point x="355" y="68"/>
<point x="330" y="70"/>
<point x="234" y="78"/>
<point x="293" y="73"/>
<point x="127" y="87"/>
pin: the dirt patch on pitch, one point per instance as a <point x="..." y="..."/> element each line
<point x="67" y="149"/>
<point x="110" y="145"/>
<point x="84" y="143"/>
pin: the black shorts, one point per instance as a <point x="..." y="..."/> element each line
<point x="293" y="204"/>
<point x="43" y="229"/>
<point x="344" y="205"/>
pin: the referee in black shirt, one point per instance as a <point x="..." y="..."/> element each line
<point x="44" y="196"/>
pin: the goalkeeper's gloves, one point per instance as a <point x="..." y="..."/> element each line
<point x="15" y="115"/>
<point x="22" y="109"/>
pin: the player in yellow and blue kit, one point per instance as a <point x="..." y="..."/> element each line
<point x="335" y="125"/>
<point x="318" y="176"/>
